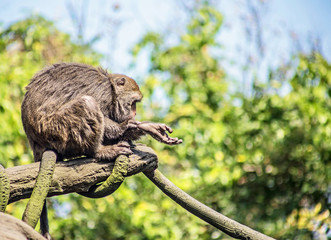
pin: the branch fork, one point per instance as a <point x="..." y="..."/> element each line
<point x="83" y="175"/>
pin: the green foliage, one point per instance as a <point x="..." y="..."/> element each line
<point x="260" y="163"/>
<point x="282" y="146"/>
<point x="264" y="162"/>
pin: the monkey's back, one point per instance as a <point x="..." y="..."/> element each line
<point x="50" y="90"/>
<point x="56" y="85"/>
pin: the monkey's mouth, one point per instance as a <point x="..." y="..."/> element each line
<point x="134" y="108"/>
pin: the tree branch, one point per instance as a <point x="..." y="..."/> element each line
<point x="15" y="229"/>
<point x="216" y="219"/>
<point x="80" y="174"/>
<point x="76" y="175"/>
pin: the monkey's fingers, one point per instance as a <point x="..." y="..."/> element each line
<point x="159" y="135"/>
<point x="110" y="152"/>
<point x="123" y="151"/>
<point x="164" y="137"/>
<point x="123" y="144"/>
<point x="123" y="148"/>
<point x="164" y="127"/>
<point x="177" y="140"/>
<point x="173" y="141"/>
<point x="169" y="129"/>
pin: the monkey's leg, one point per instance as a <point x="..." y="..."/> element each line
<point x="82" y="129"/>
<point x="113" y="182"/>
<point x="36" y="203"/>
<point x="114" y="132"/>
<point x="4" y="189"/>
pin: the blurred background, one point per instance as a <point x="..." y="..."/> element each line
<point x="245" y="84"/>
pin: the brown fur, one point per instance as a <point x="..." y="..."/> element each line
<point x="77" y="110"/>
<point x="74" y="108"/>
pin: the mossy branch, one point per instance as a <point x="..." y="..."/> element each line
<point x="80" y="175"/>
<point x="218" y="220"/>
<point x="77" y="175"/>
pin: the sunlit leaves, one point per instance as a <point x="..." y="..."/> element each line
<point x="270" y="150"/>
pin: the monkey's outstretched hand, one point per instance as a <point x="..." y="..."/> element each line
<point x="159" y="132"/>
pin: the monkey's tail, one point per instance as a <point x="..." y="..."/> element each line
<point x="44" y="228"/>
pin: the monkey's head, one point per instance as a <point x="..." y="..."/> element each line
<point x="127" y="96"/>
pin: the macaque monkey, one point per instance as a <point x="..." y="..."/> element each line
<point x="77" y="110"/>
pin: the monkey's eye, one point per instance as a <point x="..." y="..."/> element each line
<point x="120" y="82"/>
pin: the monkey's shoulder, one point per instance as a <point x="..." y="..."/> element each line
<point x="68" y="75"/>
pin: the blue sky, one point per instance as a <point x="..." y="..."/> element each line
<point x="304" y="17"/>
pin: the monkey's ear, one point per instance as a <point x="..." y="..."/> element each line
<point x="120" y="81"/>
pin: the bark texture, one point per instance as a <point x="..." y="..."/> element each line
<point x="218" y="220"/>
<point x="15" y="229"/>
<point x="76" y="175"/>
<point x="80" y="175"/>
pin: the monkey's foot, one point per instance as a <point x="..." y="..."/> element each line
<point x="113" y="182"/>
<point x="112" y="151"/>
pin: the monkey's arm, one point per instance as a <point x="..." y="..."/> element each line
<point x="157" y="130"/>
<point x="114" y="130"/>
<point x="138" y="129"/>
